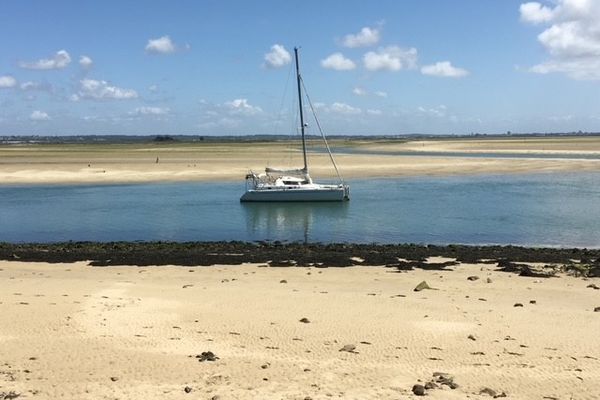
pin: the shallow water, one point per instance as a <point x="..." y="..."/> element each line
<point x="541" y="209"/>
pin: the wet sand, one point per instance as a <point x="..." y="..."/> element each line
<point x="73" y="331"/>
<point x="133" y="163"/>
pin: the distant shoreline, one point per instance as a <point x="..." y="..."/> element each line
<point x="150" y="161"/>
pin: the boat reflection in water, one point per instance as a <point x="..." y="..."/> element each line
<point x="295" y="222"/>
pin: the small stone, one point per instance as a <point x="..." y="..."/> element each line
<point x="472" y="337"/>
<point x="518" y="305"/>
<point x="283" y="281"/>
<point x="349" y="348"/>
<point x="187" y="389"/>
<point x="418" y="390"/>
<point x="473" y="278"/>
<point x="489" y="280"/>
<point x="597" y="309"/>
<point x="431" y="385"/>
<point x="421" y="286"/>
<point x="114" y="378"/>
<point x="207" y="356"/>
<point x="593" y="286"/>
<point x="532" y="302"/>
<point x="305" y="320"/>
<point x="264" y="366"/>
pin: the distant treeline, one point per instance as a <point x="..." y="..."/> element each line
<point x="123" y="139"/>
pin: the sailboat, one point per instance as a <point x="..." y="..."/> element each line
<point x="294" y="184"/>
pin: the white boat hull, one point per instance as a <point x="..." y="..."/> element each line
<point x="337" y="193"/>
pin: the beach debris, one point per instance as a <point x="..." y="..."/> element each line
<point x="422" y="286"/>
<point x="492" y="393"/>
<point x="187" y="389"/>
<point x="472" y="337"/>
<point x="187" y="286"/>
<point x="9" y="395"/>
<point x="472" y="278"/>
<point x="349" y="348"/>
<point x="207" y="356"/>
<point x="305" y="320"/>
<point x="518" y="305"/>
<point x="418" y="390"/>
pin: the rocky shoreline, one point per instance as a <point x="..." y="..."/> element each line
<point x="402" y="256"/>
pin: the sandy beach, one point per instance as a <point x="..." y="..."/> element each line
<point x="137" y="163"/>
<point x="73" y="331"/>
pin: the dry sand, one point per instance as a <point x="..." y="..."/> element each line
<point x="74" y="164"/>
<point x="71" y="331"/>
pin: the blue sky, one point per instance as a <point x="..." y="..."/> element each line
<point x="222" y="67"/>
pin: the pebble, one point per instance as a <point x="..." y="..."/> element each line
<point x="518" y="305"/>
<point x="597" y="309"/>
<point x="418" y="390"/>
<point x="473" y="278"/>
<point x="472" y="337"/>
<point x="305" y="320"/>
<point x="349" y="348"/>
<point x="114" y="378"/>
<point x="421" y="286"/>
<point x="187" y="389"/>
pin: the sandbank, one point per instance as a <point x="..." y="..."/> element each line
<point x="139" y="163"/>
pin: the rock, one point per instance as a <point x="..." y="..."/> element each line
<point x="489" y="280"/>
<point x="518" y="305"/>
<point x="488" y="391"/>
<point x="472" y="337"/>
<point x="532" y="302"/>
<point x="597" y="309"/>
<point x="349" y="348"/>
<point x="114" y="378"/>
<point x="187" y="389"/>
<point x="283" y="281"/>
<point x="593" y="286"/>
<point x="431" y="385"/>
<point x="421" y="286"/>
<point x="473" y="278"/>
<point x="207" y="356"/>
<point x="265" y="366"/>
<point x="305" y="320"/>
<point x="418" y="390"/>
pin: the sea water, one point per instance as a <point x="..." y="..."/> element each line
<point x="537" y="209"/>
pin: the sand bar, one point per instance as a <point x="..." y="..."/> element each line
<point x="131" y="163"/>
<point x="73" y="331"/>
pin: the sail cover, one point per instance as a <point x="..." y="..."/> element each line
<point x="297" y="171"/>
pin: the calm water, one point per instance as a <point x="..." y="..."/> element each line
<point x="554" y="210"/>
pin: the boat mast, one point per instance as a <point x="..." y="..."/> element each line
<point x="298" y="79"/>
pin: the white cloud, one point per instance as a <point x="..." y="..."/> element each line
<point x="535" y="12"/>
<point x="162" y="45"/>
<point x="7" y="81"/>
<point x="155" y="111"/>
<point x="381" y="93"/>
<point x="85" y="62"/>
<point x="444" y="69"/>
<point x="366" y="37"/>
<point x="277" y="57"/>
<point x="241" y="106"/>
<point x="343" y="108"/>
<point x="60" y="60"/>
<point x="439" y="111"/>
<point x="39" y="116"/>
<point x="338" y="62"/>
<point x="374" y="112"/>
<point x="392" y="58"/>
<point x="359" y="91"/>
<point x="101" y="90"/>
<point x="572" y="38"/>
